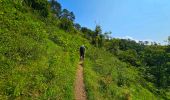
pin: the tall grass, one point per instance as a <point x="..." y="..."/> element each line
<point x="106" y="78"/>
<point x="37" y="60"/>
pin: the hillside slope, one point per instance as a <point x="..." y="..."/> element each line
<point x="107" y="78"/>
<point x="38" y="61"/>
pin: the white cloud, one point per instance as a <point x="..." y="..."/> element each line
<point x="149" y="40"/>
<point x="131" y="38"/>
<point x="128" y="37"/>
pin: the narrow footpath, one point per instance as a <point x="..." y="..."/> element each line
<point x="80" y="93"/>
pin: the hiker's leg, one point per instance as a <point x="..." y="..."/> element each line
<point x="80" y="55"/>
<point x="83" y="56"/>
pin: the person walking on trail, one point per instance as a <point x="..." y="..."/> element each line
<point x="82" y="51"/>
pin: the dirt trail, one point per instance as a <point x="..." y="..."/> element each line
<point x="80" y="93"/>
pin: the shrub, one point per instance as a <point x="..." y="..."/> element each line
<point x="40" y="5"/>
<point x="66" y="25"/>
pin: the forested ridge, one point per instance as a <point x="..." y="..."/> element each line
<point x="39" y="53"/>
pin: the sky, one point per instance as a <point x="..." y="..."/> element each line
<point x="135" y="19"/>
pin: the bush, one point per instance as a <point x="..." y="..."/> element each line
<point x="66" y="25"/>
<point x="40" y="5"/>
<point x="108" y="78"/>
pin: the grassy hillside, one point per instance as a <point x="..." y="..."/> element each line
<point x="107" y="78"/>
<point x="38" y="61"/>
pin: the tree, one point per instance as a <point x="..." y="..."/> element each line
<point x="141" y="43"/>
<point x="168" y="40"/>
<point x="96" y="36"/>
<point x="72" y="16"/>
<point x="87" y="33"/>
<point x="107" y="35"/>
<point x="77" y="26"/>
<point x="168" y="47"/>
<point x="66" y="24"/>
<point x="101" y="40"/>
<point x="98" y="30"/>
<point x="146" y="42"/>
<point x="129" y="56"/>
<point x="112" y="46"/>
<point x="156" y="58"/>
<point x="39" y="5"/>
<point x="67" y="14"/>
<point x="56" y="7"/>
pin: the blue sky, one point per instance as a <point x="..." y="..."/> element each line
<point x="135" y="19"/>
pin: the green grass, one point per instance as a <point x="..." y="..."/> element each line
<point x="38" y="61"/>
<point x="107" y="78"/>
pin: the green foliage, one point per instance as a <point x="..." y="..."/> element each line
<point x="156" y="58"/>
<point x="96" y="39"/>
<point x="66" y="24"/>
<point x="87" y="33"/>
<point x="168" y="40"/>
<point x="106" y="78"/>
<point x="38" y="60"/>
<point x="77" y="26"/>
<point x="151" y="60"/>
<point x="56" y="7"/>
<point x="32" y="65"/>
<point x="129" y="56"/>
<point x="67" y="15"/>
<point x="40" y="5"/>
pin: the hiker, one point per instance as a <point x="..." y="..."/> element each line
<point x="82" y="51"/>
